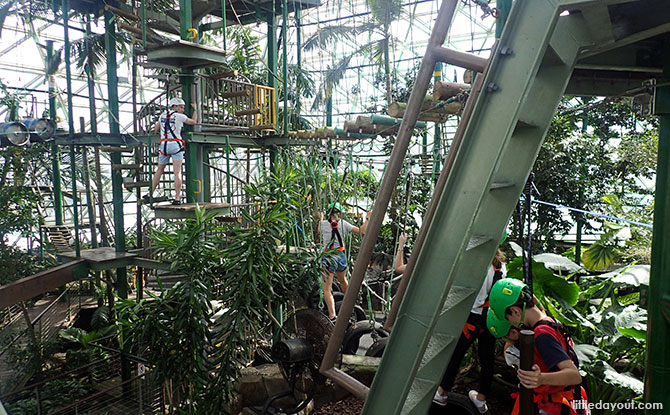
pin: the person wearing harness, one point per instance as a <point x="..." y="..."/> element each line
<point x="475" y="329"/>
<point x="333" y="232"/>
<point x="554" y="377"/>
<point x="171" y="145"/>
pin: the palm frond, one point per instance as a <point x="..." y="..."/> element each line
<point x="385" y="11"/>
<point x="326" y="36"/>
<point x="79" y="50"/>
<point x="335" y="74"/>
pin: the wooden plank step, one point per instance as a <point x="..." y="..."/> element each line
<point x="114" y="149"/>
<point x="135" y="185"/>
<point x="134" y="166"/>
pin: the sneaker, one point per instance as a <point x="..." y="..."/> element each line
<point x="333" y="320"/>
<point x="440" y="399"/>
<point x="146" y="198"/>
<point x="176" y="202"/>
<point x="481" y="405"/>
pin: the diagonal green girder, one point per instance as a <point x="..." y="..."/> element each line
<point x="522" y="89"/>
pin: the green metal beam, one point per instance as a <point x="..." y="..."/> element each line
<point x="70" y="122"/>
<point x="504" y="7"/>
<point x="117" y="178"/>
<point x="487" y="170"/>
<point x="657" y="373"/>
<point x="55" y="152"/>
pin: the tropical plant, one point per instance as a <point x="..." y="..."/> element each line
<point x="592" y="149"/>
<point x="383" y="13"/>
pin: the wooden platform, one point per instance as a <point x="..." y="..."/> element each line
<point x="103" y="258"/>
<point x="183" y="54"/>
<point x="187" y="210"/>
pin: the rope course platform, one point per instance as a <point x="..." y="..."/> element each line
<point x="187" y="210"/>
<point x="182" y="54"/>
<point x="102" y="258"/>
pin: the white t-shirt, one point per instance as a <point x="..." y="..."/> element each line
<point x="486" y="288"/>
<point x="176" y="122"/>
<point x="326" y="233"/>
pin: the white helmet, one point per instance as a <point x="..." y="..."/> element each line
<point x="176" y="101"/>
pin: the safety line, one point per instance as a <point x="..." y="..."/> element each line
<point x="632" y="222"/>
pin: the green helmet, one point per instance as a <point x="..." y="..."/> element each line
<point x="505" y="293"/>
<point x="334" y="207"/>
<point x="498" y="327"/>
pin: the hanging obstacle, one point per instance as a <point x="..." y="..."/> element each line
<point x="444" y="90"/>
<point x="431" y="109"/>
<point x="41" y="128"/>
<point x="14" y="133"/>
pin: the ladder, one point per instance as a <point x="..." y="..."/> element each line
<point x="508" y="119"/>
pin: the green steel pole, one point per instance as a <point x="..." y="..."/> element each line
<point x="206" y="182"/>
<point x="90" y="77"/>
<point x="224" y="22"/>
<point x="272" y="66"/>
<point x="437" y="137"/>
<point x="272" y="48"/>
<point x="504" y="7"/>
<point x="298" y="30"/>
<point x="657" y="374"/>
<point x="186" y="78"/>
<point x="228" y="196"/>
<point x="143" y="11"/>
<point x="70" y="124"/>
<point x="117" y="179"/>
<point x="55" y="152"/>
<point x="284" y="39"/>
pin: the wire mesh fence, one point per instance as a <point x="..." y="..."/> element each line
<point x="113" y="384"/>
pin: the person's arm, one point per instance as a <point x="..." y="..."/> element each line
<point x="400" y="254"/>
<point x="157" y="126"/>
<point x="194" y="118"/>
<point x="567" y="375"/>
<point x="363" y="227"/>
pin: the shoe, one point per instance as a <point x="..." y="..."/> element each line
<point x="176" y="202"/>
<point x="146" y="198"/>
<point x="481" y="405"/>
<point x="439" y="399"/>
<point x="333" y="320"/>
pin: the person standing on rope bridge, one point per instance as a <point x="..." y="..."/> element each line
<point x="476" y="329"/>
<point x="171" y="145"/>
<point x="554" y="377"/>
<point x="333" y="232"/>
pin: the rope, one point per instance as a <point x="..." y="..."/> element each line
<point x="588" y="212"/>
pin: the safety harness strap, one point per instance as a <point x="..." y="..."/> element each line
<point x="335" y="233"/>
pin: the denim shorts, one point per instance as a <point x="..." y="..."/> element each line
<point x="335" y="263"/>
<point x="172" y="148"/>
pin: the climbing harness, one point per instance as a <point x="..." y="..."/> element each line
<point x="165" y="140"/>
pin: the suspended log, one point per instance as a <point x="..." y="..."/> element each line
<point x="252" y="111"/>
<point x="444" y="90"/>
<point x="122" y="13"/>
<point x="238" y="93"/>
<point x="224" y="74"/>
<point x="130" y="28"/>
<point x="397" y="110"/>
<point x="384" y="120"/>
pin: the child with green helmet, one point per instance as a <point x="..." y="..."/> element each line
<point x="554" y="376"/>
<point x="333" y="232"/>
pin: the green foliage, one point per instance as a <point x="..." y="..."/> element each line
<point x="244" y="54"/>
<point x="53" y="395"/>
<point x="577" y="166"/>
<point x="18" y="264"/>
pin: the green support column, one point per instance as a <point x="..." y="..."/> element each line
<point x="117" y="179"/>
<point x="70" y="123"/>
<point x="272" y="65"/>
<point x="504" y="7"/>
<point x="284" y="39"/>
<point x="437" y="137"/>
<point x="55" y="152"/>
<point x="298" y="33"/>
<point x="206" y="171"/>
<point x="657" y="380"/>
<point x="224" y="22"/>
<point x="186" y="79"/>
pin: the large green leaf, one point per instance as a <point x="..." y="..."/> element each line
<point x="621" y="380"/>
<point x="599" y="256"/>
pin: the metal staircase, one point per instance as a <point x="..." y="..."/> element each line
<point x="527" y="75"/>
